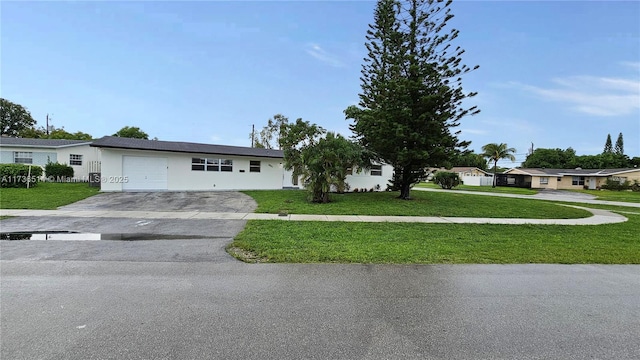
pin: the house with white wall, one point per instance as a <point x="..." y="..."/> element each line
<point x="150" y="165"/>
<point x="75" y="153"/>
<point x="153" y="165"/>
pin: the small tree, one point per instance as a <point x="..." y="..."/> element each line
<point x="63" y="134"/>
<point x="495" y="152"/>
<point x="322" y="161"/>
<point x="269" y="136"/>
<point x="446" y="180"/>
<point x="132" y="132"/>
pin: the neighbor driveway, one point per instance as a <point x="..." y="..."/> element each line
<point x="168" y="239"/>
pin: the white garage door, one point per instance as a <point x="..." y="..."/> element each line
<point x="144" y="173"/>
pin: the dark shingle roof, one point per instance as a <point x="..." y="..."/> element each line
<point x="183" y="147"/>
<point x="46" y="143"/>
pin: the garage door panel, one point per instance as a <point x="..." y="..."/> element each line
<point x="144" y="173"/>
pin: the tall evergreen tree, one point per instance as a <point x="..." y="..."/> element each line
<point x="608" y="146"/>
<point x="411" y="89"/>
<point x="619" y="149"/>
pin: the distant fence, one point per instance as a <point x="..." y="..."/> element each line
<point x="477" y="180"/>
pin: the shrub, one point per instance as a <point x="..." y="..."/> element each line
<point x="57" y="171"/>
<point x="636" y="186"/>
<point x="616" y="185"/>
<point x="446" y="180"/>
<point x="18" y="175"/>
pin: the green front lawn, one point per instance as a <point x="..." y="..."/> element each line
<point x="45" y="195"/>
<point x="489" y="189"/>
<point x="412" y="243"/>
<point x="609" y="195"/>
<point x="424" y="203"/>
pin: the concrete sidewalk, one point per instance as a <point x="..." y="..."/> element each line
<point x="599" y="217"/>
<point x="558" y="196"/>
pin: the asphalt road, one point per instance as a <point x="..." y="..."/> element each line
<point x="183" y="297"/>
<point x="198" y="310"/>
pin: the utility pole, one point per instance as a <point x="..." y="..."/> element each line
<point x="47" y="125"/>
<point x="253" y="134"/>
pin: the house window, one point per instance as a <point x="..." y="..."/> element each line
<point x="226" y="165"/>
<point x="376" y="170"/>
<point x="197" y="164"/>
<point x="254" y="166"/>
<point x="75" y="159"/>
<point x="619" y="179"/>
<point x="558" y="178"/>
<point x="544" y="180"/>
<point x="205" y="164"/>
<point x="577" y="180"/>
<point x="213" y="164"/>
<point x="21" y="157"/>
<point x="349" y="171"/>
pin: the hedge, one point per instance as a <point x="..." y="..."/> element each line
<point x="446" y="180"/>
<point x="58" y="171"/>
<point x="18" y="176"/>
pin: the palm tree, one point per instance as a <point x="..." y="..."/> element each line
<point x="497" y="152"/>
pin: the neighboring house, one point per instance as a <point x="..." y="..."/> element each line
<point x="136" y="164"/>
<point x="462" y="171"/>
<point x="540" y="178"/>
<point x="75" y="153"/>
<point x="469" y="175"/>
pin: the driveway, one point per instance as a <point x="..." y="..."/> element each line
<point x="209" y="201"/>
<point x="142" y="239"/>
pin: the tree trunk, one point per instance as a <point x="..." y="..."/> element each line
<point x="495" y="168"/>
<point x="405" y="185"/>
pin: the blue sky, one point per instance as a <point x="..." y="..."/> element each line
<point x="555" y="74"/>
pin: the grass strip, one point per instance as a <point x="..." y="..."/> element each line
<point x="45" y="196"/>
<point x="424" y="203"/>
<point x="413" y="243"/>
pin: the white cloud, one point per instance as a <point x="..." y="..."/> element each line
<point x="320" y="54"/>
<point x="635" y="65"/>
<point x="591" y="95"/>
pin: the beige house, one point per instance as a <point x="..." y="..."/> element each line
<point x="541" y="178"/>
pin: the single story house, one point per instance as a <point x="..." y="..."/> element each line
<point x="75" y="153"/>
<point x="153" y="165"/>
<point x="470" y="175"/>
<point x="541" y="178"/>
<point x="462" y="171"/>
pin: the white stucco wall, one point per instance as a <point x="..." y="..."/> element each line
<point x="89" y="155"/>
<point x="39" y="156"/>
<point x="180" y="177"/>
<point x="364" y="180"/>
